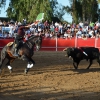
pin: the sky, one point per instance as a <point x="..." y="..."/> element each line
<point x="66" y="17"/>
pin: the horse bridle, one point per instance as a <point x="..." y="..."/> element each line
<point x="30" y="44"/>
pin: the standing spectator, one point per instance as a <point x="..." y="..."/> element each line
<point x="84" y="31"/>
<point x="68" y="31"/>
<point x="90" y="32"/>
<point x="56" y="24"/>
<point x="60" y="28"/>
<point x="46" y="24"/>
<point x="91" y="25"/>
<point x="56" y="29"/>
<point x="1" y="35"/>
<point x="24" y="21"/>
<point x="0" y="22"/>
<point x="81" y="24"/>
<point x="52" y="28"/>
<point x="11" y="32"/>
<point x="47" y="34"/>
<point x="68" y="26"/>
<point x="79" y="33"/>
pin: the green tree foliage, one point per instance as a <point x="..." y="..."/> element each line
<point x="29" y="9"/>
<point x="79" y="9"/>
<point x="98" y="1"/>
<point x="84" y="10"/>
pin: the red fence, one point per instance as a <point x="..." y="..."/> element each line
<point x="60" y="44"/>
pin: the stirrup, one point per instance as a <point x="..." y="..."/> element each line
<point x="16" y="55"/>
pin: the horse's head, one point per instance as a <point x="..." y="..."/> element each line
<point x="38" y="43"/>
<point x="36" y="40"/>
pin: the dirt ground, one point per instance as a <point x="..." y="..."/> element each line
<point x="53" y="77"/>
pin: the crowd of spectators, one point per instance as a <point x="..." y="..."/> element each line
<point x="52" y="30"/>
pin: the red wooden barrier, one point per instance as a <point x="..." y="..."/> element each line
<point x="63" y="43"/>
<point x="59" y="44"/>
<point x="48" y="44"/>
<point x="87" y="42"/>
<point x="97" y="43"/>
<point x="3" y="42"/>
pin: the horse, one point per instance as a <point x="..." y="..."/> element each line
<point x="26" y="51"/>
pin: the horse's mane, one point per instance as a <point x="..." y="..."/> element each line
<point x="32" y="36"/>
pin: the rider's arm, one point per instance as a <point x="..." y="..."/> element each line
<point x="27" y="26"/>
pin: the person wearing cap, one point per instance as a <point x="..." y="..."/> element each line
<point x="19" y="37"/>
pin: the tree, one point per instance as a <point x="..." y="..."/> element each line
<point x="84" y="10"/>
<point x="98" y="1"/>
<point x="29" y="9"/>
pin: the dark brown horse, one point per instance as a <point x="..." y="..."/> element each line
<point x="26" y="51"/>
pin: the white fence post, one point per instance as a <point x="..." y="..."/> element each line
<point x="76" y="41"/>
<point x="96" y="42"/>
<point x="56" y="42"/>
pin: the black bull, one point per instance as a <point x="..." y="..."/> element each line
<point x="78" y="54"/>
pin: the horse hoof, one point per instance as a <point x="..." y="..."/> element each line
<point x="10" y="71"/>
<point x="26" y="71"/>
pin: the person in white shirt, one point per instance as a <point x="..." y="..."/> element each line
<point x="79" y="33"/>
<point x="56" y="24"/>
<point x="11" y="32"/>
<point x="90" y="32"/>
<point x="81" y="24"/>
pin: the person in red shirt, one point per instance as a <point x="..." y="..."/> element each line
<point x="19" y="37"/>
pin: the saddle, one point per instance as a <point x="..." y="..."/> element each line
<point x="12" y="47"/>
<point x="10" y="44"/>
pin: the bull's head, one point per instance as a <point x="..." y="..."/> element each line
<point x="69" y="51"/>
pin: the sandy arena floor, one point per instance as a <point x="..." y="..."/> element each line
<point x="53" y="77"/>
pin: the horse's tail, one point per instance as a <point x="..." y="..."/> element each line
<point x="3" y="54"/>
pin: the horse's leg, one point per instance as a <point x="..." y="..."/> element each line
<point x="10" y="60"/>
<point x="1" y="62"/>
<point x="32" y="61"/>
<point x="3" y="57"/>
<point x="29" y="65"/>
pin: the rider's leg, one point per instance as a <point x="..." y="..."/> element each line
<point x="16" y="47"/>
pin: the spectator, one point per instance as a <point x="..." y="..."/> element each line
<point x="90" y="33"/>
<point x="11" y="32"/>
<point x="46" y="24"/>
<point x="47" y="34"/>
<point x="81" y="24"/>
<point x="68" y="31"/>
<point x="79" y="33"/>
<point x="1" y="22"/>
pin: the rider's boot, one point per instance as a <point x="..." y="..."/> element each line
<point x="16" y="52"/>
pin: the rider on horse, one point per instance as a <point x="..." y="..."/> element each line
<point x="19" y="37"/>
